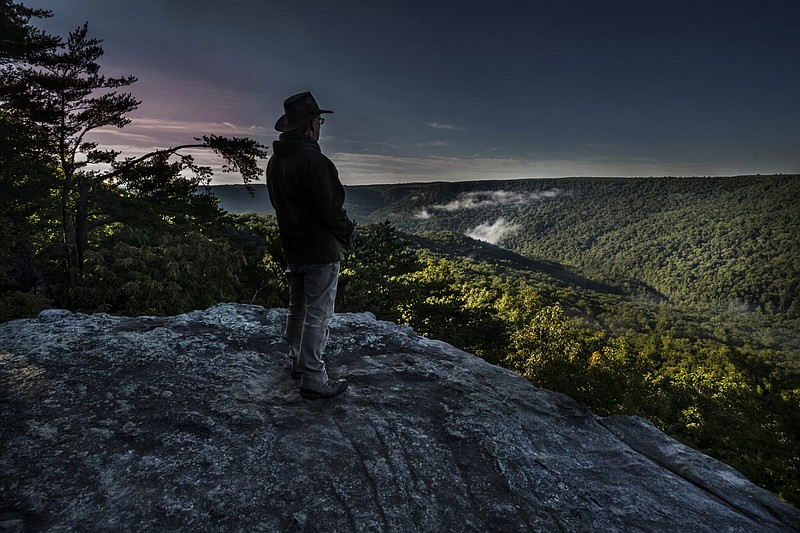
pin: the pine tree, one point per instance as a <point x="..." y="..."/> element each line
<point x="58" y="90"/>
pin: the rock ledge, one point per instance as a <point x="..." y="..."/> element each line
<point x="192" y="423"/>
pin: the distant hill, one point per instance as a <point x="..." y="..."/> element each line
<point x="238" y="200"/>
<point x="361" y="202"/>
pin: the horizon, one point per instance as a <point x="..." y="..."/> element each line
<point x="434" y="182"/>
<point x="464" y="93"/>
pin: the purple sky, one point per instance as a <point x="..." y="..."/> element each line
<point x="427" y="90"/>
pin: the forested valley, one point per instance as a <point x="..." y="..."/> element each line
<point x="675" y="299"/>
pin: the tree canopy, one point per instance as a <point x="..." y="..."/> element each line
<point x="52" y="97"/>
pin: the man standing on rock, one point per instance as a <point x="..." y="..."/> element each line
<point x="305" y="191"/>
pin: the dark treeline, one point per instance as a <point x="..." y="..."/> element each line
<point x="710" y="357"/>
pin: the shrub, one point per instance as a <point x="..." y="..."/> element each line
<point x="18" y="304"/>
<point x="178" y="274"/>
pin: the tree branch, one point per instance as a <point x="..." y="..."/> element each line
<point x="133" y="162"/>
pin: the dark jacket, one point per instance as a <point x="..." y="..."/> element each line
<point x="305" y="191"/>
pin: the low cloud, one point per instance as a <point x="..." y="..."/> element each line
<point x="492" y="233"/>
<point x="191" y="127"/>
<point x="477" y="199"/>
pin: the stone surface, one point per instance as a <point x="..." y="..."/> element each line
<point x="193" y="423"/>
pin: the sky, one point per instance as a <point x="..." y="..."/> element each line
<point x="465" y="90"/>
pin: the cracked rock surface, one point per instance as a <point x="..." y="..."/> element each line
<point x="193" y="423"/>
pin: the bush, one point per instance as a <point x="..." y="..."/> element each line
<point x="178" y="274"/>
<point x="18" y="304"/>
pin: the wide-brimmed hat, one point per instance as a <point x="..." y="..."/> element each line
<point x="298" y="110"/>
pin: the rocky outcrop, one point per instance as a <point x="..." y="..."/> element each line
<point x="193" y="423"/>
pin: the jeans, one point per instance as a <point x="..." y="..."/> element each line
<point x="312" y="294"/>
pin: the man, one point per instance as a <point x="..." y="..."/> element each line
<point x="305" y="191"/>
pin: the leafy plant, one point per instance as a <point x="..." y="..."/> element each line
<point x="174" y="274"/>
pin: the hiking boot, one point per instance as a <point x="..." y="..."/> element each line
<point x="328" y="390"/>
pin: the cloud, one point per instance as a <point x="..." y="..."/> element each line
<point x="440" y="126"/>
<point x="192" y="127"/>
<point x="492" y="233"/>
<point x="478" y="199"/>
<point x="110" y="135"/>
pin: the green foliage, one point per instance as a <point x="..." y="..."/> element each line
<point x="703" y="378"/>
<point x="21" y="41"/>
<point x="546" y="349"/>
<point x="262" y="277"/>
<point x="438" y="304"/>
<point x="25" y="202"/>
<point x="18" y="304"/>
<point x="370" y="273"/>
<point x="26" y="209"/>
<point x="240" y="154"/>
<point x="139" y="275"/>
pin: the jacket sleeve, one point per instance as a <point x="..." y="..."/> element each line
<point x="327" y="194"/>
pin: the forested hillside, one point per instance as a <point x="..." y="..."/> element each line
<point x="729" y="241"/>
